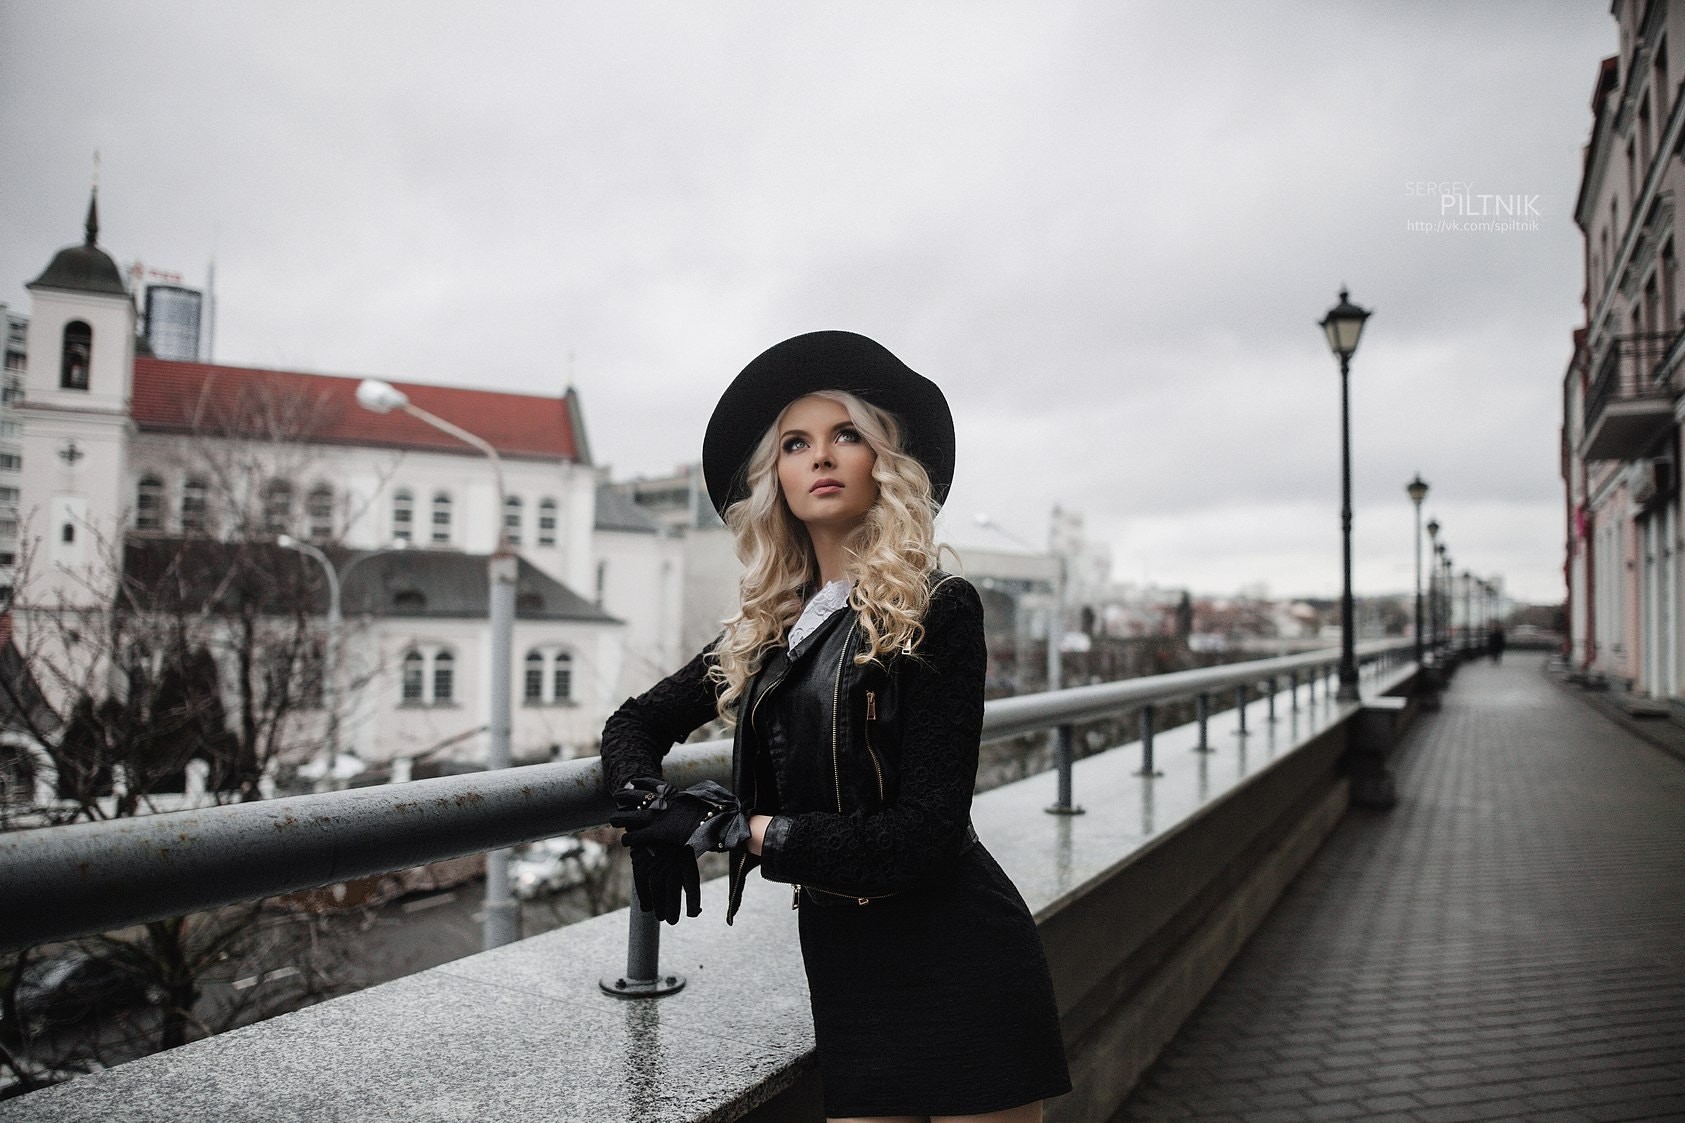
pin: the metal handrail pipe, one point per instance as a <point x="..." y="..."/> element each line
<point x="57" y="883"/>
<point x="1028" y="713"/>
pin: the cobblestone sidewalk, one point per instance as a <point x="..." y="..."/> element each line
<point x="1507" y="943"/>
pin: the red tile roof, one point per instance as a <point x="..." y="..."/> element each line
<point x="276" y="404"/>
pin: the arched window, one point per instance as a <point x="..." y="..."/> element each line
<point x="318" y="510"/>
<point x="429" y="676"/>
<point x="194" y="517"/>
<point x="277" y="506"/>
<point x="535" y="676"/>
<point x="444" y="677"/>
<point x="547" y="522"/>
<point x="561" y="678"/>
<point x="549" y="677"/>
<point x="415" y="665"/>
<point x="512" y="519"/>
<point x="77" y="355"/>
<point x="149" y="503"/>
<point x="403" y="515"/>
<point x="441" y="518"/>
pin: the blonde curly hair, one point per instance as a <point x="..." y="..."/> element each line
<point x="891" y="555"/>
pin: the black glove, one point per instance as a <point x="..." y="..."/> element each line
<point x="660" y="874"/>
<point x="667" y="830"/>
<point x="703" y="817"/>
<point x="639" y="802"/>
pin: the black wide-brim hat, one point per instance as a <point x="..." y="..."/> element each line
<point x="824" y="360"/>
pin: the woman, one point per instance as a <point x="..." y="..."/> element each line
<point x="853" y="673"/>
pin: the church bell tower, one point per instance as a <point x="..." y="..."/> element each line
<point x="75" y="421"/>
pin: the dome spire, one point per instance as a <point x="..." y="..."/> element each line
<point x="92" y="225"/>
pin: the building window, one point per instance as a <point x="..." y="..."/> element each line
<point x="547" y="522"/>
<point x="444" y="677"/>
<point x="429" y="676"/>
<point x="403" y="515"/>
<point x="549" y="677"/>
<point x="9" y="495"/>
<point x="602" y="581"/>
<point x="78" y="351"/>
<point x="193" y="508"/>
<point x="277" y="506"/>
<point x="318" y="510"/>
<point x="149" y="503"/>
<point x="414" y="677"/>
<point x="512" y="519"/>
<point x="561" y="678"/>
<point x="11" y="462"/>
<point x="535" y="676"/>
<point x="441" y="518"/>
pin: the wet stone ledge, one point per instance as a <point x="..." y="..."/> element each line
<point x="525" y="1033"/>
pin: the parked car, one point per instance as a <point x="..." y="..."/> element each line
<point x="74" y="986"/>
<point x="553" y="864"/>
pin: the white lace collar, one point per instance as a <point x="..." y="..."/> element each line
<point x="819" y="608"/>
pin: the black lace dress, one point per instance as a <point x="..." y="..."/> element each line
<point x="935" y="997"/>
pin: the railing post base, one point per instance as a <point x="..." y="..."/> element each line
<point x="641" y="988"/>
<point x="643" y="977"/>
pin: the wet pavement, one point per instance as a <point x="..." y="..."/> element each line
<point x="1507" y="943"/>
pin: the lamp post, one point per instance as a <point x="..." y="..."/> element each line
<point x="1344" y="327"/>
<point x="502" y="921"/>
<point x="1448" y="595"/>
<point x="1418" y="491"/>
<point x="1433" y="586"/>
<point x="335" y="655"/>
<point x="1468" y="610"/>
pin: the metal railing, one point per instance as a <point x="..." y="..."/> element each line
<point x="57" y="883"/>
<point x="1630" y="368"/>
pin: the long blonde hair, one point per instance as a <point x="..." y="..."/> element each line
<point x="891" y="555"/>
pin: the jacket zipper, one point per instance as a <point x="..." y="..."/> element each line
<point x="836" y="704"/>
<point x="741" y="872"/>
<point x="871" y="716"/>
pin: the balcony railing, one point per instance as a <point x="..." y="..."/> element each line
<point x="1630" y="401"/>
<point x="61" y="882"/>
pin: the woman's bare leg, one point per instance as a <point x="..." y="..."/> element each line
<point x="1026" y="1113"/>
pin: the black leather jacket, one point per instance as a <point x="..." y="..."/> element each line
<point x="867" y="769"/>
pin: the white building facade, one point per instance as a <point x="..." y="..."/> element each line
<point x="124" y="456"/>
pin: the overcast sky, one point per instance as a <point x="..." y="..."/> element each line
<point x="1107" y="230"/>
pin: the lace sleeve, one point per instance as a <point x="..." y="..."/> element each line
<point x="943" y="723"/>
<point x="639" y="733"/>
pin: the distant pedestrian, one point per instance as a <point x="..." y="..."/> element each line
<point x="1495" y="643"/>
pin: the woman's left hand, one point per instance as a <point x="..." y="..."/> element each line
<point x="757" y="832"/>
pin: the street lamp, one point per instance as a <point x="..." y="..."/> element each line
<point x="335" y="654"/>
<point x="1344" y="327"/>
<point x="502" y="920"/>
<point x="1433" y="586"/>
<point x="1418" y="491"/>
<point x="1448" y="599"/>
<point x="1468" y="610"/>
